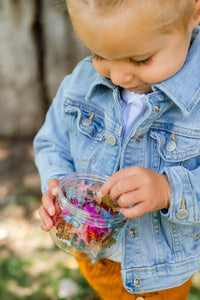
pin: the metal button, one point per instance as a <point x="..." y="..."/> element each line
<point x="157" y="108"/>
<point x="171" y="146"/>
<point x="138" y="139"/>
<point x="140" y="298"/>
<point x="132" y="232"/>
<point x="137" y="282"/>
<point x="111" y="139"/>
<point x="182" y="214"/>
<point x="86" y="122"/>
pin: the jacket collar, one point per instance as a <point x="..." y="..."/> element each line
<point x="184" y="87"/>
<point x="99" y="81"/>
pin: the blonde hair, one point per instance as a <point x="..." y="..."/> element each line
<point x="166" y="15"/>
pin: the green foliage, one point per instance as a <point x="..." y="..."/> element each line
<point x="17" y="282"/>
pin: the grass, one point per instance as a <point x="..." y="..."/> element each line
<point x="31" y="267"/>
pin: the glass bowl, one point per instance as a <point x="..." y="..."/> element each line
<point x="86" y="225"/>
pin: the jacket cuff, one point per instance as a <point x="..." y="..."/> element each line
<point x="52" y="172"/>
<point x="183" y="205"/>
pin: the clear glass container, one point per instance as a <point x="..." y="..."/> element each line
<point x="87" y="226"/>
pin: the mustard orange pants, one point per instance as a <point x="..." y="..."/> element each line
<point x="105" y="278"/>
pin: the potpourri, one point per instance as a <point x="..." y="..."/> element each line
<point x="90" y="226"/>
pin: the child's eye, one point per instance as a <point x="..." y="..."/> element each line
<point x="141" y="62"/>
<point x="96" y="57"/>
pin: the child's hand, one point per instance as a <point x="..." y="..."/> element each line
<point x="47" y="210"/>
<point x="143" y="188"/>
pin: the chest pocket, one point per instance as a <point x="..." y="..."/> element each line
<point x="87" y="121"/>
<point x="174" y="147"/>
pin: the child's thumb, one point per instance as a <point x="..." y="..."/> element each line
<point x="53" y="186"/>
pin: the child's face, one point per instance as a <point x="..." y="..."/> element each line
<point x="133" y="58"/>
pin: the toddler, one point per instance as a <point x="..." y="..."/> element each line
<point x="131" y="111"/>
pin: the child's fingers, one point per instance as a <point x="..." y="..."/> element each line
<point x="46" y="221"/>
<point x="135" y="211"/>
<point x="53" y="186"/>
<point x="48" y="210"/>
<point x="116" y="179"/>
<point x="44" y="226"/>
<point x="126" y="185"/>
<point x="130" y="198"/>
<point x="106" y="187"/>
<point x="48" y="202"/>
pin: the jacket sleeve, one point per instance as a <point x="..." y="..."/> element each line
<point x="51" y="144"/>
<point x="185" y="195"/>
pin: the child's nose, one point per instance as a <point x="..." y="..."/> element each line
<point x="120" y="75"/>
<point x="119" y="78"/>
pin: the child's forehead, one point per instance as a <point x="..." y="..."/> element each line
<point x="107" y="8"/>
<point x="114" y="40"/>
<point x="115" y="20"/>
<point x="162" y="14"/>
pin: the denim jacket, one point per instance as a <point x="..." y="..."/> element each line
<point x="83" y="130"/>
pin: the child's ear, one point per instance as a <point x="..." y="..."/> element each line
<point x="196" y="15"/>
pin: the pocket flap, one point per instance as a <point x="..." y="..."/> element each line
<point x="88" y="122"/>
<point x="175" y="147"/>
